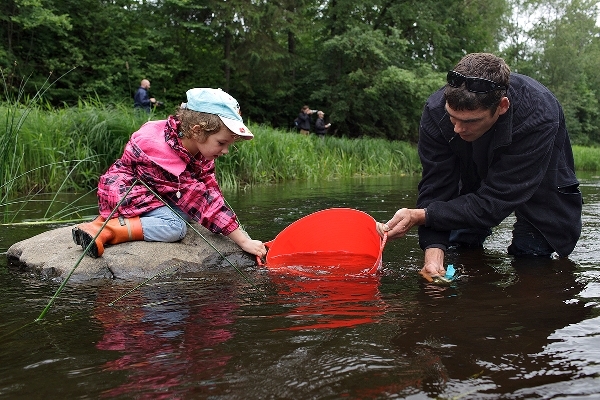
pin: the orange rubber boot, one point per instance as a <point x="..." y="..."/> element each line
<point x="117" y="230"/>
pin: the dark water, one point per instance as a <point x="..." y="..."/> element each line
<point x="506" y="328"/>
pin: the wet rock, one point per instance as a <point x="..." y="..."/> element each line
<point x="53" y="255"/>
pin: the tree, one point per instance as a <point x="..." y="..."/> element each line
<point x="563" y="53"/>
<point x="379" y="58"/>
<point x="24" y="25"/>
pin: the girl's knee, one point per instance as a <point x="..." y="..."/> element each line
<point x="163" y="229"/>
<point x="182" y="230"/>
<point x="177" y="231"/>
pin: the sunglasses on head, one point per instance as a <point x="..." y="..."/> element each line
<point x="473" y="84"/>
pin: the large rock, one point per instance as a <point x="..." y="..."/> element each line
<point x="53" y="254"/>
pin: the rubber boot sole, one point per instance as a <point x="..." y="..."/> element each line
<point x="83" y="239"/>
<point x="76" y="238"/>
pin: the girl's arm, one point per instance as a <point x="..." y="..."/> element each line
<point x="247" y="244"/>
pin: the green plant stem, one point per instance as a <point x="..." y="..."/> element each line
<point x="201" y="235"/>
<point x="64" y="282"/>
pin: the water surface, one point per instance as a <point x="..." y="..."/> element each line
<point x="505" y="328"/>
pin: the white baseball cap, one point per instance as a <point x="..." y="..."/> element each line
<point x="218" y="102"/>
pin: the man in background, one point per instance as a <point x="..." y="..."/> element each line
<point x="320" y="125"/>
<point x="304" y="120"/>
<point x="142" y="99"/>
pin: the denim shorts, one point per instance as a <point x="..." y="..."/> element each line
<point x="164" y="225"/>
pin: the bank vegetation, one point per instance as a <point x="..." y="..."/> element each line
<point x="45" y="149"/>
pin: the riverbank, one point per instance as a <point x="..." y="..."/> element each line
<point x="53" y="150"/>
<point x="67" y="149"/>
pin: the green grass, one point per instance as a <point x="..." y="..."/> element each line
<point x="278" y="156"/>
<point x="586" y="158"/>
<point x="45" y="150"/>
<point x="67" y="149"/>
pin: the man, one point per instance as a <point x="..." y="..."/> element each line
<point x="320" y="125"/>
<point x="491" y="143"/>
<point x="304" y="120"/>
<point x="142" y="99"/>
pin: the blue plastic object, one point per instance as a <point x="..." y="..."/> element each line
<point x="450" y="271"/>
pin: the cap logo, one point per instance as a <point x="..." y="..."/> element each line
<point x="242" y="130"/>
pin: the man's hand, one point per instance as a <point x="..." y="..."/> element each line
<point x="433" y="264"/>
<point x="402" y="221"/>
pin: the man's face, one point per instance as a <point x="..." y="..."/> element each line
<point x="470" y="125"/>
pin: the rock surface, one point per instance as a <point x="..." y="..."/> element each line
<point x="53" y="255"/>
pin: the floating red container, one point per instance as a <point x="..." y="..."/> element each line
<point x="334" y="242"/>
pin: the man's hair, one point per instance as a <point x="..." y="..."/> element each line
<point x="209" y="123"/>
<point x="480" y="65"/>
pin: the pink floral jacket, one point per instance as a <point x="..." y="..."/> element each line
<point x="155" y="155"/>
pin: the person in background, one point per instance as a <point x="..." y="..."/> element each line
<point x="492" y="143"/>
<point x="142" y="99"/>
<point x="304" y="120"/>
<point x="176" y="157"/>
<point x="320" y="125"/>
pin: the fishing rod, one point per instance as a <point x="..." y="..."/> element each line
<point x="174" y="265"/>
<point x="202" y="236"/>
<point x="112" y="303"/>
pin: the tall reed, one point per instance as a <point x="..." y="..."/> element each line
<point x="48" y="150"/>
<point x="69" y="148"/>
<point x="279" y="156"/>
<point x="44" y="150"/>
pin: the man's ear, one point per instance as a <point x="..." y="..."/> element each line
<point x="503" y="106"/>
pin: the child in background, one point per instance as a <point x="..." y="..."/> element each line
<point x="175" y="157"/>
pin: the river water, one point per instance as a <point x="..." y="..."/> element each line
<point x="504" y="328"/>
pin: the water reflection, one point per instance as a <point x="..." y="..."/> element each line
<point x="164" y="341"/>
<point x="492" y="324"/>
<point x="314" y="303"/>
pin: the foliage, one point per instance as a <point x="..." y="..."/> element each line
<point x="67" y="149"/>
<point x="369" y="65"/>
<point x="586" y="158"/>
<point x="273" y="57"/>
<point x="561" y="49"/>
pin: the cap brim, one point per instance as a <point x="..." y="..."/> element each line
<point x="238" y="128"/>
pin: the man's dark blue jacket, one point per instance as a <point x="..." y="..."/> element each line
<point x="523" y="164"/>
<point x="142" y="99"/>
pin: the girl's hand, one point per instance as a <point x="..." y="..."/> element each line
<point x="255" y="247"/>
<point x="247" y="244"/>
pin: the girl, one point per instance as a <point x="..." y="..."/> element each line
<point x="175" y="157"/>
